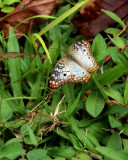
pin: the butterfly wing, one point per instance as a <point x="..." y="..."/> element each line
<point x="81" y="52"/>
<point x="67" y="70"/>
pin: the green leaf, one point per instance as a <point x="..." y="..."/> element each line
<point x="124" y="129"/>
<point x="126" y="93"/>
<point x="113" y="31"/>
<point x="37" y="154"/>
<point x="9" y="2"/>
<point x="95" y="104"/>
<point x="82" y="156"/>
<point x="114" y="94"/>
<point x="11" y="151"/>
<point x="43" y="44"/>
<point x="118" y="57"/>
<point x="126" y="52"/>
<point x="32" y="136"/>
<point x="68" y="91"/>
<point x="115" y="142"/>
<point x="14" y="140"/>
<point x="112" y="154"/>
<point x="1" y="4"/>
<point x="117" y="41"/>
<point x="101" y="89"/>
<point x="74" y="140"/>
<point x="66" y="152"/>
<point x="6" y="111"/>
<point x="7" y="9"/>
<point x="125" y="144"/>
<point x="112" y="74"/>
<point x="114" y="123"/>
<point x="54" y="32"/>
<point x="88" y="142"/>
<point x="115" y="17"/>
<point x="96" y="129"/>
<point x="99" y="48"/>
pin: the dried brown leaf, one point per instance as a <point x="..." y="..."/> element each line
<point x="26" y="9"/>
<point x="91" y="20"/>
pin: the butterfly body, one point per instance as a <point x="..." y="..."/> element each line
<point x="75" y="66"/>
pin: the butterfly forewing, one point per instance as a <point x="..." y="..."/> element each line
<point x="81" y="52"/>
<point x="67" y="70"/>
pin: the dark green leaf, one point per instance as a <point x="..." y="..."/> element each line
<point x="11" y="151"/>
<point x="114" y="122"/>
<point x="94" y="104"/>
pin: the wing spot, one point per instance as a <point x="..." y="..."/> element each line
<point x="64" y="74"/>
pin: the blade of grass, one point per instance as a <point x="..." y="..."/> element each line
<point x="37" y="16"/>
<point x="62" y="17"/>
<point x="43" y="44"/>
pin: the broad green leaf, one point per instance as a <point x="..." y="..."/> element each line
<point x="95" y="104"/>
<point x="82" y="156"/>
<point x="99" y="48"/>
<point x="113" y="31"/>
<point x="117" y="41"/>
<point x="112" y="74"/>
<point x="7" y="9"/>
<point x="115" y="142"/>
<point x="114" y="123"/>
<point x="11" y="151"/>
<point x="115" y="17"/>
<point x="112" y="154"/>
<point x="1" y="4"/>
<point x="37" y="154"/>
<point x="6" y="111"/>
<point x="66" y="152"/>
<point x="32" y="136"/>
<point x="14" y="140"/>
<point x="9" y="2"/>
<point x="126" y="93"/>
<point x="118" y="57"/>
<point x="114" y="94"/>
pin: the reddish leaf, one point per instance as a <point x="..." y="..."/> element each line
<point x="26" y="9"/>
<point x="91" y="20"/>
